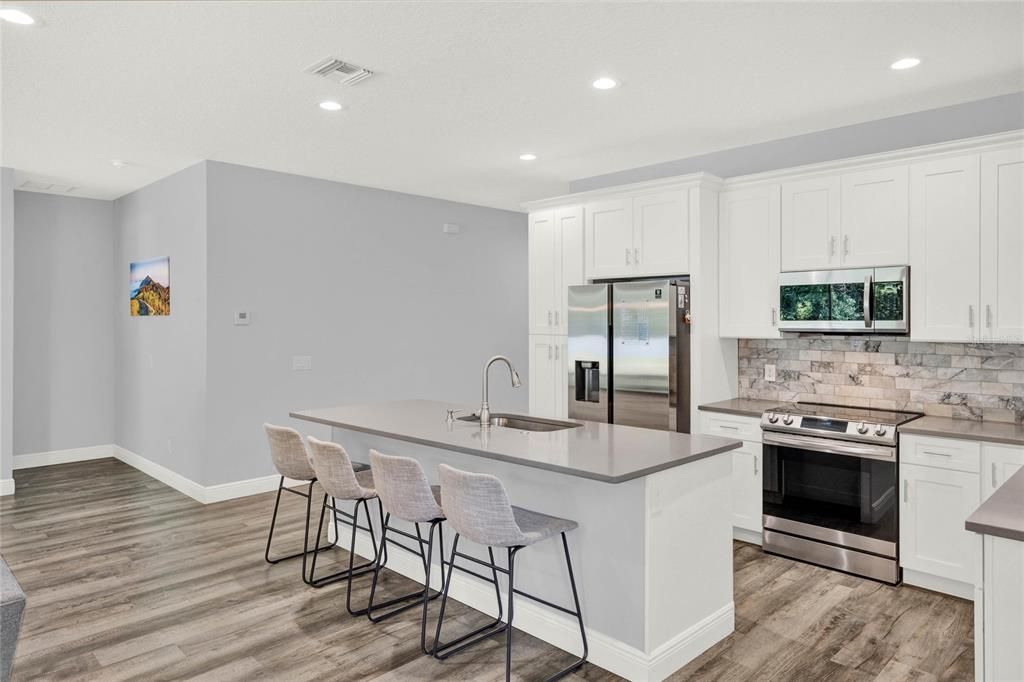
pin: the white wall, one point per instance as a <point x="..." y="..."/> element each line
<point x="365" y="282"/>
<point x="63" y="322"/>
<point x="161" y="361"/>
<point x="6" y="330"/>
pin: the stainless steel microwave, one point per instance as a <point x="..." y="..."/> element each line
<point x="864" y="300"/>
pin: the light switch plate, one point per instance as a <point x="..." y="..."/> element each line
<point x="302" y="362"/>
<point x="769" y="372"/>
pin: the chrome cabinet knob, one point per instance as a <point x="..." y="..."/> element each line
<point x="788" y="420"/>
<point x="772" y="418"/>
<point x="880" y="431"/>
<point x="862" y="428"/>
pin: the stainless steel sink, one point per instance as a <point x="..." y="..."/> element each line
<point x="523" y="422"/>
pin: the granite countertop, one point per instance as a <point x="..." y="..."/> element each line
<point x="610" y="453"/>
<point x="741" y="406"/>
<point x="966" y="429"/>
<point x="1002" y="514"/>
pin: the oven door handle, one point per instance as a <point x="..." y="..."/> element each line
<point x="829" y="446"/>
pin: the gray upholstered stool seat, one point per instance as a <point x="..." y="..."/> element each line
<point x="343" y="481"/>
<point x="291" y="460"/>
<point x="406" y="494"/>
<point x="536" y="526"/>
<point x="479" y="510"/>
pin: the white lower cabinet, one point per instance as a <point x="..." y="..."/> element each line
<point x="998" y="463"/>
<point x="934" y="505"/>
<point x="548" y="380"/>
<point x="747" y="483"/>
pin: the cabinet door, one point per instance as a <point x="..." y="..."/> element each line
<point x="542" y="376"/>
<point x="747" y="487"/>
<point x="875" y="219"/>
<point x="810" y="224"/>
<point x="934" y="505"/>
<point x="661" y="235"/>
<point x="1003" y="619"/>
<point x="569" y="223"/>
<point x="609" y="242"/>
<point x="1002" y="245"/>
<point x="544" y="267"/>
<point x="998" y="463"/>
<point x="748" y="263"/>
<point x="560" y="378"/>
<point x="945" y="244"/>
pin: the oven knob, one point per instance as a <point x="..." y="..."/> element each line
<point x="880" y="431"/>
<point x="772" y="418"/>
<point x="787" y="420"/>
<point x="862" y="428"/>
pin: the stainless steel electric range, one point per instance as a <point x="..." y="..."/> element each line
<point x="830" y="483"/>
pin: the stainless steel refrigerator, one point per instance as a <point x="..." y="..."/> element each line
<point x="629" y="353"/>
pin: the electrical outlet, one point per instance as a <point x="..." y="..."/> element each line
<point x="769" y="372"/>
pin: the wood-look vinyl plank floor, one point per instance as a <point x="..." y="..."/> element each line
<point x="128" y="579"/>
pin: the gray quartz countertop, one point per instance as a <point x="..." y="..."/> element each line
<point x="1002" y="514"/>
<point x="741" y="406"/>
<point x="604" y="452"/>
<point x="946" y="427"/>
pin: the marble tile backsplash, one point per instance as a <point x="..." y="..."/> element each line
<point x="966" y="380"/>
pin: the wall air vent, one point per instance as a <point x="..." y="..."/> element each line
<point x="339" y="71"/>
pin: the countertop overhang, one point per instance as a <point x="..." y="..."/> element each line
<point x="610" y="453"/>
<point x="1002" y="514"/>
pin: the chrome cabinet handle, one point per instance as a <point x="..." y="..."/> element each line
<point x="556" y="352"/>
<point x="937" y="454"/>
<point x="846" y="245"/>
<point x="549" y="351"/>
<point x="970" y="316"/>
<point x="636" y="256"/>
<point x="906" y="490"/>
<point x="774" y="323"/>
<point x="556" y="318"/>
<point x="755" y="465"/>
<point x="988" y="315"/>
<point x="730" y="428"/>
<point x="549" y="318"/>
<point x="832" y="247"/>
<point x="995" y="482"/>
<point x="627" y="255"/>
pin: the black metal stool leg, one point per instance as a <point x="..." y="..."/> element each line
<point x="417" y="596"/>
<point x="273" y="521"/>
<point x="511" y="605"/>
<point x="273" y="524"/>
<point x="351" y="559"/>
<point x="443" y="650"/>
<point x="352" y="570"/>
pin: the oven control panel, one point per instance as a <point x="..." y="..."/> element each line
<point x="844" y="429"/>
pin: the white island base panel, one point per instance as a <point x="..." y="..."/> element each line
<point x="652" y="557"/>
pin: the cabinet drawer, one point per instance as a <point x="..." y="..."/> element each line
<point x="731" y="426"/>
<point x="941" y="453"/>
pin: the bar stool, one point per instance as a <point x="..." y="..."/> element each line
<point x="406" y="494"/>
<point x="341" y="480"/>
<point x="291" y="460"/>
<point x="478" y="508"/>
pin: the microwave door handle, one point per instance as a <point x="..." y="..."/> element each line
<point x="868" y="286"/>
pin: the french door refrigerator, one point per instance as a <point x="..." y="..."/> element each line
<point x="629" y="353"/>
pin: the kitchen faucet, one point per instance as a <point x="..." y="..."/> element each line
<point x="485" y="409"/>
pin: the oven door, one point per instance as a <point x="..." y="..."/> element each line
<point x="838" y="493"/>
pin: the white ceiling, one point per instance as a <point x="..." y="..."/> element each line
<point x="463" y="88"/>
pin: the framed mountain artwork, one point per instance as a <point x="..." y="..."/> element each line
<point x="151" y="287"/>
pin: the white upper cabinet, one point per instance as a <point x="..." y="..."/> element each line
<point x="945" y="249"/>
<point x="555" y="262"/>
<point x="1002" y="245"/>
<point x="609" y="238"/>
<point x="634" y="236"/>
<point x="874" y="218"/>
<point x="748" y="255"/>
<point x="810" y="224"/>
<point x="660" y="234"/>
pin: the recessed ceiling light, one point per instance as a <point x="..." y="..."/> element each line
<point x="117" y="163"/>
<point x="527" y="157"/>
<point x="905" y="63"/>
<point x="16" y="16"/>
<point x="330" y="105"/>
<point x="605" y="83"/>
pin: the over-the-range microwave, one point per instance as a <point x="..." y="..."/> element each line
<point x="864" y="300"/>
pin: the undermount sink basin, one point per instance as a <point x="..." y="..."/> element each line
<point x="523" y="422"/>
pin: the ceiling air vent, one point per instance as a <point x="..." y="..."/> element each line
<point x="339" y="71"/>
<point x="52" y="188"/>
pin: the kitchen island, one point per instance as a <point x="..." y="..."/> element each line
<point x="653" y="551"/>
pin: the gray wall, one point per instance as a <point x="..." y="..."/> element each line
<point x="63" y="322"/>
<point x="366" y="283"/>
<point x="6" y="322"/>
<point x="983" y="117"/>
<point x="161" y="361"/>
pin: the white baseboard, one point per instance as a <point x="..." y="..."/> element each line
<point x="745" y="535"/>
<point x="562" y="630"/>
<point x="938" y="584"/>
<point x="42" y="459"/>
<point x="6" y="486"/>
